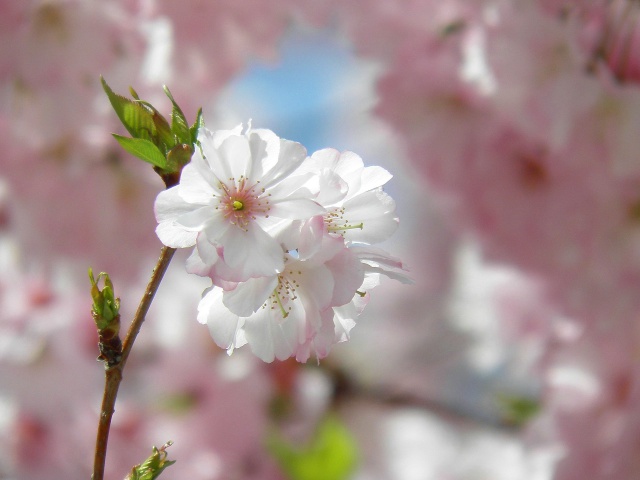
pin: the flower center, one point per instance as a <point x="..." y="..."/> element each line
<point x="285" y="293"/>
<point x="242" y="201"/>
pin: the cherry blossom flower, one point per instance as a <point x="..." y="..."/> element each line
<point x="278" y="313"/>
<point x="357" y="208"/>
<point x="283" y="239"/>
<point x="237" y="186"/>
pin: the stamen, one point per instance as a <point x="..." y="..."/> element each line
<point x="284" y="313"/>
<point x="336" y="221"/>
<point x="333" y="228"/>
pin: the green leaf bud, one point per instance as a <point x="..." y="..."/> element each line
<point x="153" y="466"/>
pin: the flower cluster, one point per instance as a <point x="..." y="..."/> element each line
<point x="285" y="238"/>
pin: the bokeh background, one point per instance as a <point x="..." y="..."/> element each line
<point x="511" y="129"/>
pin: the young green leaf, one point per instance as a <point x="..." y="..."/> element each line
<point x="143" y="149"/>
<point x="331" y="455"/>
<point x="195" y="128"/>
<point x="179" y="125"/>
<point x="178" y="157"/>
<point x="153" y="466"/>
<point x="136" y="117"/>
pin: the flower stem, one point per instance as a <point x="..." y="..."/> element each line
<point x="113" y="374"/>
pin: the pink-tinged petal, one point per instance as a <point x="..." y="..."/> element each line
<point x="303" y="352"/>
<point x="331" y="246"/>
<point x="196" y="265"/>
<point x="317" y="282"/>
<point x="295" y="209"/>
<point x="249" y="296"/>
<point x="322" y="341"/>
<point x="223" y="324"/>
<point x="309" y="318"/>
<point x="348" y="275"/>
<point x="175" y="236"/>
<point x="310" y="239"/>
<point x="235" y="156"/>
<point x="252" y="252"/>
<point x="196" y="219"/>
<point x="208" y="252"/>
<point x="169" y="205"/>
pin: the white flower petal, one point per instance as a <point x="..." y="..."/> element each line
<point x="196" y="265"/>
<point x="249" y="296"/>
<point x="223" y="324"/>
<point x="295" y="209"/>
<point x="344" y="320"/>
<point x="266" y="144"/>
<point x="198" y="184"/>
<point x="332" y="188"/>
<point x="348" y="275"/>
<point x="269" y="338"/>
<point x="252" y="252"/>
<point x="350" y="167"/>
<point x="175" y="236"/>
<point x="169" y="205"/>
<point x="376" y="211"/>
<point x="220" y="136"/>
<point x="317" y="285"/>
<point x="235" y="156"/>
<point x="373" y="177"/>
<point x="197" y="218"/>
<point x="217" y="225"/>
<point x="290" y="156"/>
<point x="310" y="239"/>
<point x="292" y="187"/>
<point x="207" y="251"/>
<point x="326" y="158"/>
<point x="264" y="147"/>
<point x="378" y="261"/>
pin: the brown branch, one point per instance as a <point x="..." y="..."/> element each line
<point x="113" y="374"/>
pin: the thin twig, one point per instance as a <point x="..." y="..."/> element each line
<point x="113" y="374"/>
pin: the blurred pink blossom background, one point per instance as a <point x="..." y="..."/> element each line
<point x="510" y="128"/>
